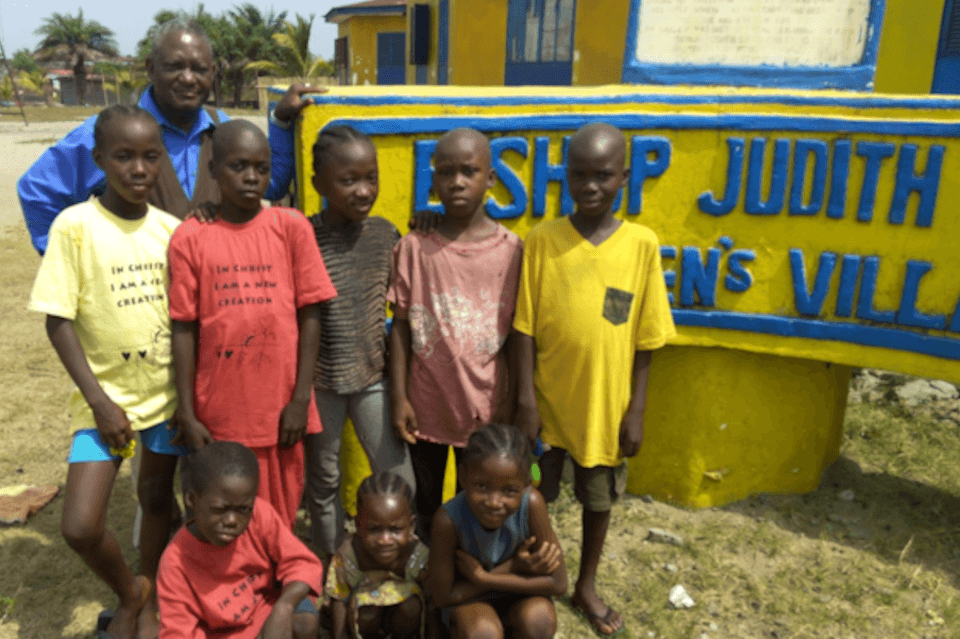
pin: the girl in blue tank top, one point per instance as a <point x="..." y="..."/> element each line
<point x="495" y="561"/>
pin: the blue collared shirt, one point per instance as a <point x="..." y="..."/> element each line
<point x="65" y="174"/>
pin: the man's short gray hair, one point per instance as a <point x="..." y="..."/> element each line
<point x="176" y="25"/>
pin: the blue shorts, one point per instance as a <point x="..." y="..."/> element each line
<point x="305" y="605"/>
<point x="89" y="447"/>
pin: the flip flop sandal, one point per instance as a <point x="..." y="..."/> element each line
<point x="103" y="621"/>
<point x="594" y="620"/>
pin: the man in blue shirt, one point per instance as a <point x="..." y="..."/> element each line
<point x="181" y="72"/>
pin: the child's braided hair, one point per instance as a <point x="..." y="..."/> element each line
<point x="332" y="137"/>
<point x="385" y="483"/>
<point x="497" y="439"/>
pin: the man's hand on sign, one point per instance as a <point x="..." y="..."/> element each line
<point x="293" y="102"/>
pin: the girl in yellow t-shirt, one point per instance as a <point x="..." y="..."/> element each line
<point x="102" y="285"/>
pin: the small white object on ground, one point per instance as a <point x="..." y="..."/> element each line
<point x="664" y="537"/>
<point x="680" y="598"/>
<point x="846" y="495"/>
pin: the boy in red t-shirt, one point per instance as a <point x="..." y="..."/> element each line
<point x="245" y="303"/>
<point x="235" y="570"/>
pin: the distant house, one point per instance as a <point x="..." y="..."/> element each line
<point x="371" y="42"/>
<point x="95" y="95"/>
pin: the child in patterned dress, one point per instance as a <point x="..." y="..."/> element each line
<point x="375" y="579"/>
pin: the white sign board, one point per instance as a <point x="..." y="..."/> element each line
<point x="801" y="33"/>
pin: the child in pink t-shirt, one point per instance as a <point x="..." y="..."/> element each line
<point x="245" y="302"/>
<point x="452" y="296"/>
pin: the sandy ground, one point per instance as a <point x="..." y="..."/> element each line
<point x="21" y="145"/>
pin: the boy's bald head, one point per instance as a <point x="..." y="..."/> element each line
<point x="599" y="139"/>
<point x="463" y="139"/>
<point x="228" y="134"/>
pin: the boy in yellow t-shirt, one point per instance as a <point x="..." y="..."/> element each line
<point x="591" y="307"/>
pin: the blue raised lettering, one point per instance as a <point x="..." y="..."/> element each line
<point x="423" y="176"/>
<point x="707" y="202"/>
<point x="868" y="287"/>
<point x="642" y="166"/>
<point x="738" y="278"/>
<point x="875" y="153"/>
<point x="955" y="320"/>
<point x="908" y="181"/>
<point x="694" y="277"/>
<point x="811" y="304"/>
<point x="508" y="177"/>
<point x="801" y="154"/>
<point x="544" y="173"/>
<point x="669" y="275"/>
<point x="839" y="175"/>
<point x="778" y="180"/>
<point x="849" y="274"/>
<point x="908" y="314"/>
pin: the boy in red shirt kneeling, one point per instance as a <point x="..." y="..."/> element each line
<point x="235" y="570"/>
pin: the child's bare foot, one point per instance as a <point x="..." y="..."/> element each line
<point x="124" y="624"/>
<point x="148" y="624"/>
<point x="606" y="621"/>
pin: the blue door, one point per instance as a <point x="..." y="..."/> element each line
<point x="946" y="74"/>
<point x="443" y="45"/>
<point x="540" y="42"/>
<point x="391" y="48"/>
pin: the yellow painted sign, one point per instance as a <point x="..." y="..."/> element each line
<point x="814" y="225"/>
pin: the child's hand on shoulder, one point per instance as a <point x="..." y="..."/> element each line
<point x="470" y="568"/>
<point x="205" y="213"/>
<point x="425" y="221"/>
<point x="112" y="424"/>
<point x="544" y="561"/>
<point x="190" y="431"/>
<point x="293" y="422"/>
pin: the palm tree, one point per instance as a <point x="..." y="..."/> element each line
<point x="295" y="59"/>
<point x="123" y="81"/>
<point x="248" y="39"/>
<point x="76" y="40"/>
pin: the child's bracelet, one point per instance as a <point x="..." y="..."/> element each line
<point x="127" y="451"/>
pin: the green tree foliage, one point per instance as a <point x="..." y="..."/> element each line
<point x="248" y="39"/>
<point x="126" y="82"/>
<point x="75" y="40"/>
<point x="23" y="61"/>
<point x="295" y="59"/>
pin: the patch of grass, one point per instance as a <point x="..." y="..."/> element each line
<point x="48" y="114"/>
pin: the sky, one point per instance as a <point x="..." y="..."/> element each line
<point x="20" y="18"/>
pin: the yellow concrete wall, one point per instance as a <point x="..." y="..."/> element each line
<point x="908" y="46"/>
<point x="478" y="42"/>
<point x="750" y="395"/>
<point x="362" y="33"/>
<point x="908" y="43"/>
<point x="599" y="40"/>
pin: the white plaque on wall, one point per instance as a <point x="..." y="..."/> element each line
<point x="791" y="33"/>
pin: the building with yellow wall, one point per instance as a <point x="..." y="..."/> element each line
<point x="571" y="42"/>
<point x="371" y="42"/>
